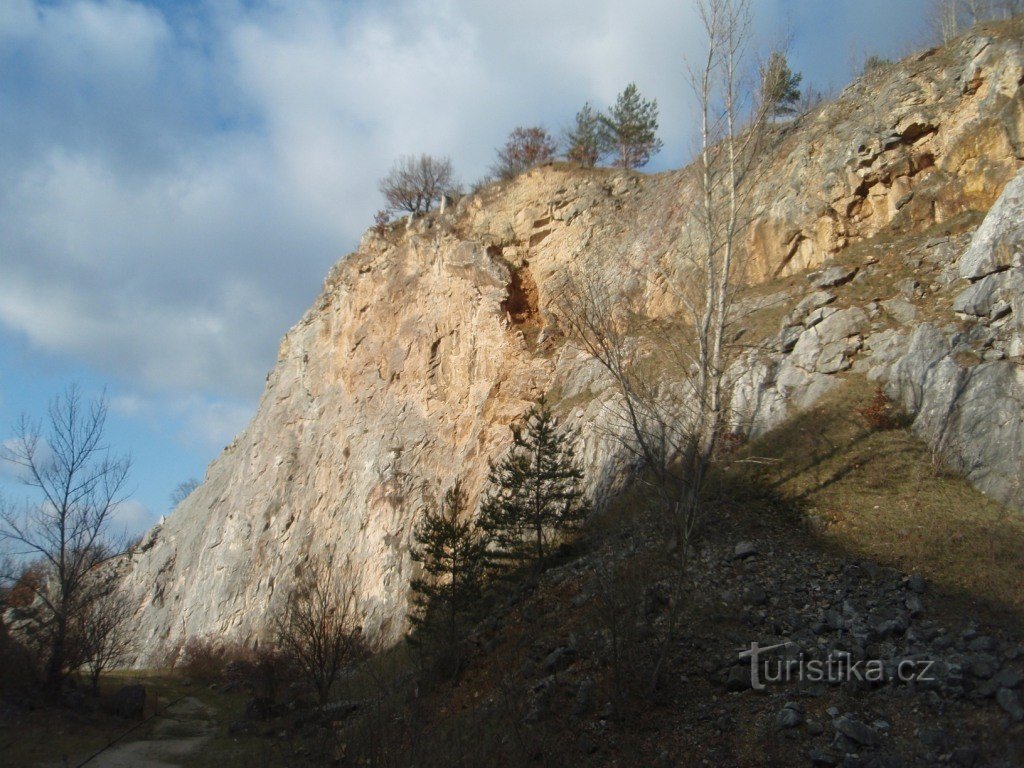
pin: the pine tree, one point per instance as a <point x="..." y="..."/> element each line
<point x="453" y="555"/>
<point x="535" y="491"/>
<point x="630" y="129"/>
<point x="780" y="86"/>
<point x="585" y="140"/>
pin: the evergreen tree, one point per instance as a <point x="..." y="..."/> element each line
<point x="586" y="140"/>
<point x="453" y="555"/>
<point x="535" y="491"/>
<point x="780" y="86"/>
<point x="630" y="129"/>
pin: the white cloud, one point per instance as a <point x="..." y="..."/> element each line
<point x="175" y="182"/>
<point x="131" y="518"/>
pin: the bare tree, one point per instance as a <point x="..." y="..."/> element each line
<point x="948" y="18"/>
<point x="525" y="148"/>
<point x="414" y="184"/>
<point x="318" y="630"/>
<point x="103" y="631"/>
<point x="671" y="378"/>
<point x="183" y="490"/>
<point x="945" y="19"/>
<point x="79" y="483"/>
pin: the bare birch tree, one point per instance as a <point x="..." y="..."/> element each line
<point x="671" y="378"/>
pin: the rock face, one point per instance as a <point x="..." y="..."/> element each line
<point x="433" y="336"/>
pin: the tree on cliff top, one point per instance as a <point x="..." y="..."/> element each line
<point x="586" y="140"/>
<point x="630" y="129"/>
<point x="525" y="148"/>
<point x="414" y="184"/>
<point x="780" y="86"/>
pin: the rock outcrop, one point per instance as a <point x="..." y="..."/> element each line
<point x="435" y="334"/>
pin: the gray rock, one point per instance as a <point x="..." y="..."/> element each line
<point x="1008" y="678"/>
<point x="820" y="757"/>
<point x="915" y="605"/>
<point x="788" y="717"/>
<point x="991" y="296"/>
<point x="744" y="550"/>
<point x="583" y="703"/>
<point x="755" y="595"/>
<point x="916" y="583"/>
<point x="738" y="679"/>
<point x="586" y="745"/>
<point x="971" y="415"/>
<point x="999" y="241"/>
<point x="982" y="643"/>
<point x="935" y="738"/>
<point x="965" y="757"/>
<point x="559" y="660"/>
<point x="789" y="337"/>
<point x="901" y="310"/>
<point x="856" y="730"/>
<point x="826" y="347"/>
<point x="834" y="276"/>
<point x="1010" y="702"/>
<point x="811" y="302"/>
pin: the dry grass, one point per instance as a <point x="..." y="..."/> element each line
<point x="877" y="494"/>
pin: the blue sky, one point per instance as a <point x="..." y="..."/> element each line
<point x="176" y="178"/>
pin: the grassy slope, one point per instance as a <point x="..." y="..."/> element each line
<point x="880" y="495"/>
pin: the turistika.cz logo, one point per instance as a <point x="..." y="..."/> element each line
<point x="836" y="668"/>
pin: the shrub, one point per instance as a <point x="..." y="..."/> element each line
<point x="882" y="413"/>
<point x="203" y="658"/>
<point x="381" y="219"/>
<point x="525" y="148"/>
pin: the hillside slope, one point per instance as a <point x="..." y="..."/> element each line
<point x="432" y="337"/>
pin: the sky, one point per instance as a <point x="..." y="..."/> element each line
<point x="177" y="177"/>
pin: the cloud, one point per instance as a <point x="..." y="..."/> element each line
<point x="176" y="180"/>
<point x="131" y="518"/>
<point x="203" y="424"/>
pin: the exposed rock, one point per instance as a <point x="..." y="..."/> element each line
<point x="834" y="276"/>
<point x="788" y="717"/>
<point x="902" y="310"/>
<point x="999" y="241"/>
<point x="744" y="549"/>
<point x="425" y="343"/>
<point x="856" y="730"/>
<point x="1010" y="702"/>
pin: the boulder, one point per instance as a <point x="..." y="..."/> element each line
<point x="999" y="242"/>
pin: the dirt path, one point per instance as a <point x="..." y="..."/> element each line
<point x="180" y="730"/>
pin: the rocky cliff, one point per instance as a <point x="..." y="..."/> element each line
<point x="434" y="335"/>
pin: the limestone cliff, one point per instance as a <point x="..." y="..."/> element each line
<point x="432" y="337"/>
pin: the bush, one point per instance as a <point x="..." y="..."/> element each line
<point x="524" y="149"/>
<point x="204" y="658"/>
<point x="882" y="413"/>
